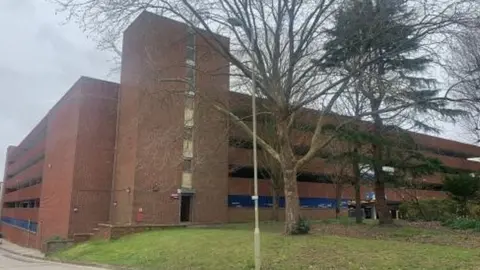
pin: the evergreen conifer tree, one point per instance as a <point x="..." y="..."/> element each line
<point x="383" y="34"/>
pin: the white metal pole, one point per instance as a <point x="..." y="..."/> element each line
<point x="256" y="233"/>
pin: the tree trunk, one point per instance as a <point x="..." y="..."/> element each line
<point x="378" y="163"/>
<point x="358" y="203"/>
<point x="289" y="173"/>
<point x="274" y="204"/>
<point x="338" y="198"/>
<point x="292" y="203"/>
<point x="357" y="182"/>
<point x="381" y="204"/>
<point x="380" y="200"/>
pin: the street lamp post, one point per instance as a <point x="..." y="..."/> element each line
<point x="237" y="23"/>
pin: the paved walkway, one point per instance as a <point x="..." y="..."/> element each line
<point x="20" y="258"/>
<point x="19" y="250"/>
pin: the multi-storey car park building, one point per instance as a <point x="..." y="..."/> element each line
<point x="152" y="150"/>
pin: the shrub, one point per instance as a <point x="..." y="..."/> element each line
<point x="428" y="210"/>
<point x="462" y="188"/>
<point x="303" y="227"/>
<point x="463" y="224"/>
<point x="474" y="211"/>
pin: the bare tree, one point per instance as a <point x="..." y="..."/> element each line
<point x="281" y="43"/>
<point x="464" y="67"/>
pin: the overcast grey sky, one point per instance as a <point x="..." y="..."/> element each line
<point x="40" y="58"/>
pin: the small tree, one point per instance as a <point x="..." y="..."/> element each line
<point x="341" y="174"/>
<point x="347" y="153"/>
<point x="352" y="138"/>
<point x="462" y="188"/>
<point x="464" y="66"/>
<point x="409" y="174"/>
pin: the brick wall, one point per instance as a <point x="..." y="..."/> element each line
<point x="244" y="186"/>
<point x="28" y="193"/>
<point x="18" y="161"/>
<point x="20" y="237"/>
<point x="126" y="139"/>
<point x="149" y="148"/>
<point x="55" y="202"/>
<point x="95" y="146"/>
<point x="440" y="143"/>
<point x="22" y="213"/>
<point x="210" y="134"/>
<point x="34" y="171"/>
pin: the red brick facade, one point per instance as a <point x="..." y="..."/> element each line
<point x="70" y="156"/>
<point x="116" y="153"/>
<point x="150" y="136"/>
<point x="150" y="132"/>
<point x="94" y="155"/>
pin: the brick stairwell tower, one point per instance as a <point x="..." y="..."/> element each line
<point x="172" y="145"/>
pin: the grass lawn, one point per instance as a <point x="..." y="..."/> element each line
<point x="231" y="247"/>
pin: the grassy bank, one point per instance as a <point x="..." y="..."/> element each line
<point x="231" y="248"/>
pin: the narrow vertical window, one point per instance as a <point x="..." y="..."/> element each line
<point x="190" y="80"/>
<point x="189" y="106"/>
<point x="191" y="47"/>
<point x="188" y="143"/>
<point x="189" y="110"/>
<point x="187" y="165"/>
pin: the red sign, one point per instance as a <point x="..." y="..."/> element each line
<point x="174" y="196"/>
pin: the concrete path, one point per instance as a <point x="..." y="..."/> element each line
<point x="19" y="250"/>
<point x="11" y="258"/>
<point x="18" y="262"/>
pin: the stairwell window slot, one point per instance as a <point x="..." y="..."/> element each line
<point x="189" y="111"/>
<point x="187" y="165"/>
<point x="191" y="47"/>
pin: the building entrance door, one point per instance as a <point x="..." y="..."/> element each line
<point x="186" y="208"/>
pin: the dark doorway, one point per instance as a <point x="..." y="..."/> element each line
<point x="185" y="208"/>
<point x="393" y="213"/>
<point x="368" y="212"/>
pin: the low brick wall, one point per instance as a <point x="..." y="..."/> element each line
<point x="20" y="236"/>
<point x="103" y="233"/>
<point x="112" y="232"/>
<point x="56" y="245"/>
<point x="81" y="237"/>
